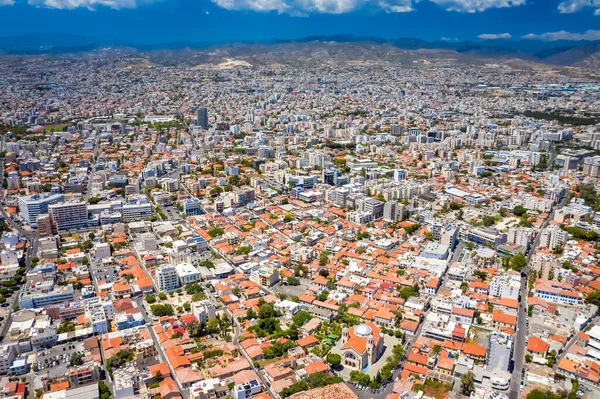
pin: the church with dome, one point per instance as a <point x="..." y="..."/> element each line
<point x="362" y="346"/>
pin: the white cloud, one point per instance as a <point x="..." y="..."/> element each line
<point x="571" y="6"/>
<point x="449" y="39"/>
<point x="300" y="7"/>
<point x="397" y="6"/>
<point x="564" y="35"/>
<point x="476" y="5"/>
<point x="89" y="4"/>
<point x="494" y="36"/>
<point x="304" y="7"/>
<point x="6" y="2"/>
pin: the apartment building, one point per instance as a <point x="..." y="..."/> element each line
<point x="32" y="206"/>
<point x="68" y="215"/>
<point x="167" y="278"/>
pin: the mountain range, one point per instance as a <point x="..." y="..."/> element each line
<point x="561" y="52"/>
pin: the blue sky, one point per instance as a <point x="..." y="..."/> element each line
<point x="158" y="21"/>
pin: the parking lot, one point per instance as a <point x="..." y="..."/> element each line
<point x="291" y="290"/>
<point x="172" y="213"/>
<point x="55" y="361"/>
<point x="108" y="274"/>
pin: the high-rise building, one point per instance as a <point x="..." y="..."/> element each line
<point x="31" y="206"/>
<point x="202" y="118"/>
<point x="69" y="215"/>
<point x="389" y="211"/>
<point x="191" y="207"/>
<point x="13" y="180"/>
<point x="44" y="225"/>
<point x="167" y="278"/>
<point x="399" y="174"/>
<point x="553" y="236"/>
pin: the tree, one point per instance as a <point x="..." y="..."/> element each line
<point x="334" y="359"/>
<point x="488" y="221"/>
<point x="119" y="359"/>
<point x="67" y="326"/>
<point x="160" y="310"/>
<point x="518" y="261"/>
<point x="538" y="394"/>
<point x="455" y="206"/>
<point x="324" y="273"/>
<point x="360" y="378"/>
<point x="468" y="383"/>
<point x="519" y="210"/>
<point x="102" y="388"/>
<point x="288" y="217"/>
<point x="301" y="318"/>
<point x="293" y="281"/>
<point x="324" y="258"/>
<point x="93" y="200"/>
<point x="251" y="314"/>
<point x="76" y="359"/>
<point x="528" y="358"/>
<point x="594" y="298"/>
<point x="235" y="180"/>
<point x="212" y="326"/>
<point x="215" y="231"/>
<point x="150" y="299"/>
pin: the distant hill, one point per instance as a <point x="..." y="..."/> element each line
<point x="562" y="52"/>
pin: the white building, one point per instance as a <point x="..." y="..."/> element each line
<point x="41" y="294"/>
<point x="31" y="206"/>
<point x="553" y="236"/>
<point x="8" y="353"/>
<point x="520" y="236"/>
<point x="505" y="286"/>
<point x="101" y="251"/>
<point x="167" y="278"/>
<point x="187" y="273"/>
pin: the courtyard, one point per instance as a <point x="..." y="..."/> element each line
<point x="389" y="341"/>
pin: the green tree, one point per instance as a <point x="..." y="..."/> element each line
<point x="119" y="359"/>
<point x="102" y="388"/>
<point x="518" y="261"/>
<point x="160" y="310"/>
<point x="334" y="359"/>
<point x="467" y="383"/>
<point x="215" y="231"/>
<point x="519" y="210"/>
<point x="301" y="318"/>
<point x="360" y="378"/>
<point x="323" y="258"/>
<point x="594" y="298"/>
<point x="293" y="281"/>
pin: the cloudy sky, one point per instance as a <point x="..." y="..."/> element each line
<point x="161" y="21"/>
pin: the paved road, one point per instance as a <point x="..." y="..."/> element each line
<point x="521" y="334"/>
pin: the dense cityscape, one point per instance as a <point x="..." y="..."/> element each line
<point x="365" y="230"/>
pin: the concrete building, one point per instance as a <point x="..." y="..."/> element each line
<point x="187" y="273"/>
<point x="32" y="206"/>
<point x="167" y="278"/>
<point x="553" y="236"/>
<point x="68" y="215"/>
<point x="40" y="294"/>
<point x="265" y="276"/>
